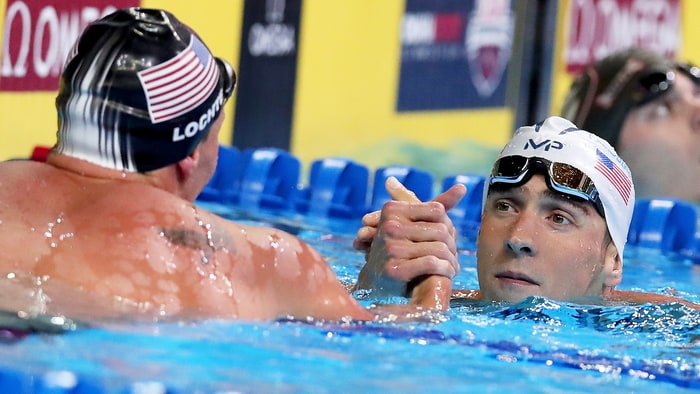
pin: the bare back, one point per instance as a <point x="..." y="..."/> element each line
<point x="137" y="248"/>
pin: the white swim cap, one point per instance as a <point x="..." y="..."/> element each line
<point x="558" y="140"/>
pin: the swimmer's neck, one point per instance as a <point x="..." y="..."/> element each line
<point x="90" y="172"/>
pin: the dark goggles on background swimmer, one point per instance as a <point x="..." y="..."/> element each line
<point x="656" y="83"/>
<point x="561" y="177"/>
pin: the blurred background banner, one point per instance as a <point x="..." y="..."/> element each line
<point x="588" y="30"/>
<point x="596" y="28"/>
<point x="454" y="54"/>
<point x="436" y="84"/>
<point x="38" y="35"/>
<point x="267" y="74"/>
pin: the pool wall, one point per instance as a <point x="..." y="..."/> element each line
<point x="271" y="179"/>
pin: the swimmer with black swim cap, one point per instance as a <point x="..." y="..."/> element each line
<point x="107" y="227"/>
<point x="135" y="80"/>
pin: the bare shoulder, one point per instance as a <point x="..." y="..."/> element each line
<point x="263" y="242"/>
<point x="28" y="175"/>
<point x="636" y="297"/>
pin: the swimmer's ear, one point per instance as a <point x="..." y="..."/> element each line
<point x="187" y="165"/>
<point x="613" y="266"/>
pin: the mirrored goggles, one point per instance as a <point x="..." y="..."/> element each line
<point x="656" y="83"/>
<point x="561" y="177"/>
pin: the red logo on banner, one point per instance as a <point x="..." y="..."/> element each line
<point x="489" y="40"/>
<point x="38" y="34"/>
<point x="600" y="27"/>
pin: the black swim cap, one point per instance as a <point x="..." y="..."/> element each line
<point x="603" y="94"/>
<point x="139" y="91"/>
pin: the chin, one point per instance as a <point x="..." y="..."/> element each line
<point x="507" y="296"/>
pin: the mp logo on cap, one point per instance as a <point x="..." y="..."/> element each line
<point x="546" y="145"/>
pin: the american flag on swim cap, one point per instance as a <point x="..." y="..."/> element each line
<point x="180" y="84"/>
<point x="614" y="174"/>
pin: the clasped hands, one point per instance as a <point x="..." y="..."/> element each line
<point x="411" y="247"/>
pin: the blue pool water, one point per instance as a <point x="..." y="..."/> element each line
<point x="534" y="346"/>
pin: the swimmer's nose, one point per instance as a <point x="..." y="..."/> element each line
<point x="520" y="247"/>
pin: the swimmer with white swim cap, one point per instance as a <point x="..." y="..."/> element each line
<point x="556" y="211"/>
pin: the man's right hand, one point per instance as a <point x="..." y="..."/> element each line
<point x="408" y="240"/>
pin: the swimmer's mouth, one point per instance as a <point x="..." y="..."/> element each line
<point x="517" y="277"/>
